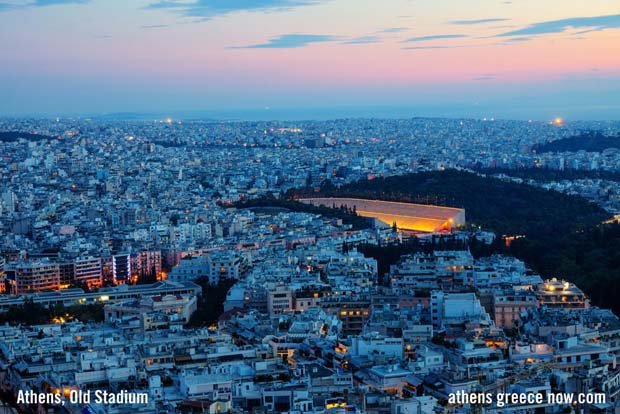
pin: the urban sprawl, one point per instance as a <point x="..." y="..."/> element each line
<point x="134" y="218"/>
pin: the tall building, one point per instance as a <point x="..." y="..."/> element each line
<point x="508" y="306"/>
<point x="146" y="265"/>
<point x="33" y="276"/>
<point x="280" y="300"/>
<point x="556" y="293"/>
<point x="352" y="310"/>
<point x="107" y="269"/>
<point x="191" y="268"/>
<point x="88" y="271"/>
<point x="456" y="308"/>
<point x="67" y="273"/>
<point x="215" y="266"/>
<point x="121" y="268"/>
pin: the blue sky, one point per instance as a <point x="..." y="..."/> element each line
<point x="509" y="59"/>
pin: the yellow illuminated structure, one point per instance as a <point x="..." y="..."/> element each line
<point x="407" y="216"/>
<point x="556" y="293"/>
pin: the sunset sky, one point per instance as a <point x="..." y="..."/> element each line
<point x="512" y="59"/>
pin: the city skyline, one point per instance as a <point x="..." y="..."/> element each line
<point x="304" y="59"/>
<point x="309" y="206"/>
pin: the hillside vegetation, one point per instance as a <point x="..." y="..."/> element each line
<point x="591" y="141"/>
<point x="565" y="236"/>
<point x="504" y="207"/>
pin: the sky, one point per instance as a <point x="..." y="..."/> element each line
<point x="268" y="59"/>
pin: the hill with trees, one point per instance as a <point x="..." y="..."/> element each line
<point x="589" y="258"/>
<point x="564" y="235"/>
<point x="13" y="136"/>
<point x="347" y="215"/>
<point x="590" y="141"/>
<point x="507" y="208"/>
<point x="545" y="175"/>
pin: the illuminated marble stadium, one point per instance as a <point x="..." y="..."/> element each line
<point x="407" y="216"/>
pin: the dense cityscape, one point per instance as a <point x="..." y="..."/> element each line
<point x="131" y="264"/>
<point x="309" y="207"/>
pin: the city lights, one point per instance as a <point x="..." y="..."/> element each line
<point x="309" y="206"/>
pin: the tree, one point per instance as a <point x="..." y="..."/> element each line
<point x="211" y="302"/>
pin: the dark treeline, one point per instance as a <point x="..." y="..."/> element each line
<point x="344" y="213"/>
<point x="210" y="303"/>
<point x="12" y="136"/>
<point x="548" y="174"/>
<point x="591" y="141"/>
<point x="497" y="205"/>
<point x="589" y="258"/>
<point x="564" y="234"/>
<point x="30" y="313"/>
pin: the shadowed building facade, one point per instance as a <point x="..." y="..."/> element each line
<point x="407" y="216"/>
